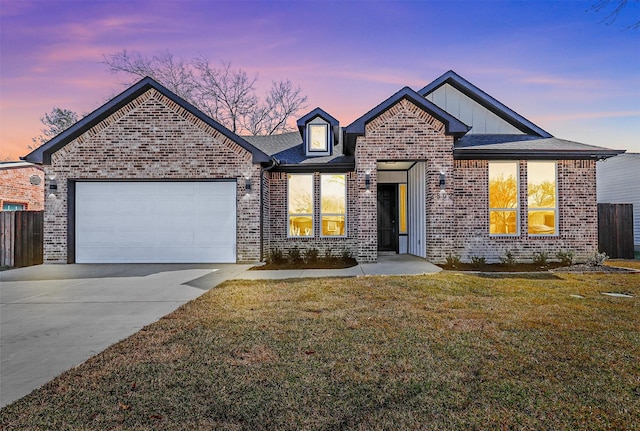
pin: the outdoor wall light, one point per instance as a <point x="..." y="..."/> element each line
<point x="442" y="181"/>
<point x="247" y="184"/>
<point x="367" y="181"/>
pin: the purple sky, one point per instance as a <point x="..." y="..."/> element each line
<point x="554" y="62"/>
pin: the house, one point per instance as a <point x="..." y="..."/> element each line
<point x="21" y="186"/>
<point x="618" y="181"/>
<point x="148" y="177"/>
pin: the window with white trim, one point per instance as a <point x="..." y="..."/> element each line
<point x="333" y="199"/>
<point x="503" y="198"/>
<point x="300" y="205"/>
<point x="542" y="198"/>
<point x="318" y="137"/>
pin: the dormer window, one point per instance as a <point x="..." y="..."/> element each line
<point x="320" y="132"/>
<point x="318" y="138"/>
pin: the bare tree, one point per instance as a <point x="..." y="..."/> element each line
<point x="55" y="122"/>
<point x="282" y="102"/>
<point x="613" y="14"/>
<point x="226" y="94"/>
<point x="173" y="73"/>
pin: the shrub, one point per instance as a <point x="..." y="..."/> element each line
<point x="453" y="261"/>
<point x="311" y="255"/>
<point x="328" y="254"/>
<point x="565" y="257"/>
<point x="275" y="256"/>
<point x="508" y="259"/>
<point x="540" y="259"/>
<point x="597" y="259"/>
<point x="346" y="256"/>
<point x="294" y="255"/>
<point x="478" y="261"/>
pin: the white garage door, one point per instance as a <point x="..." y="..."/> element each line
<point x="154" y="222"/>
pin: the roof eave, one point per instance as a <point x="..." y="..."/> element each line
<point x="315" y="167"/>
<point x="453" y="126"/>
<point x="478" y="154"/>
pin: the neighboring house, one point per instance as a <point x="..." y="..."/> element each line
<point x="21" y="186"/>
<point x="147" y="177"/>
<point x="618" y="181"/>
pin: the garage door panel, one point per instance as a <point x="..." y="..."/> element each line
<point x="155" y="222"/>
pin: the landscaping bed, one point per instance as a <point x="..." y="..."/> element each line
<point x="500" y="267"/>
<point x="444" y="351"/>
<point x="301" y="264"/>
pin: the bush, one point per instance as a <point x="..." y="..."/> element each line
<point x="328" y="254"/>
<point x="508" y="259"/>
<point x="565" y="257"/>
<point x="294" y="255"/>
<point x="453" y="261"/>
<point x="541" y="258"/>
<point x="346" y="256"/>
<point x="478" y="261"/>
<point x="311" y="255"/>
<point x="597" y="259"/>
<point x="275" y="256"/>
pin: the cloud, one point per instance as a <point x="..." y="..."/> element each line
<point x="587" y="116"/>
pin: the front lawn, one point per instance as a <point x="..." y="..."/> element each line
<point x="438" y="352"/>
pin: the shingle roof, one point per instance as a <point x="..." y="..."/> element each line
<point x="526" y="146"/>
<point x="43" y="153"/>
<point x="272" y="144"/>
<point x="288" y="149"/>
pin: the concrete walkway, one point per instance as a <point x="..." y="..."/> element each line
<point x="53" y="317"/>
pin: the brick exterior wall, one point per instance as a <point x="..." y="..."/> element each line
<point x="16" y="187"/>
<point x="403" y="132"/>
<point x="457" y="221"/>
<point x="153" y="138"/>
<point x="577" y="212"/>
<point x="276" y="229"/>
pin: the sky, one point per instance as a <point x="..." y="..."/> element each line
<point x="554" y="62"/>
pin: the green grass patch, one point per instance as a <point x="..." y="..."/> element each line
<point x="444" y="351"/>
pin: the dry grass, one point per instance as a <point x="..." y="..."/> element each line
<point x="624" y="263"/>
<point x="447" y="351"/>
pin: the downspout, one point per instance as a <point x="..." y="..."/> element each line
<point x="274" y="162"/>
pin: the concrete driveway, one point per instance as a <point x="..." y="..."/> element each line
<point x="53" y="317"/>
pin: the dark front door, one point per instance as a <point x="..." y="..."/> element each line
<point x="387" y="217"/>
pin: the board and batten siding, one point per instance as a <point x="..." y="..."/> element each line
<point x="470" y="112"/>
<point x="618" y="182"/>
<point x="416" y="211"/>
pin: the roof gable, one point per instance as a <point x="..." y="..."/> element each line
<point x="485" y="100"/>
<point x="43" y="153"/>
<point x="453" y="126"/>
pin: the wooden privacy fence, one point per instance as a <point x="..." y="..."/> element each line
<point x="21" y="234"/>
<point x="615" y="230"/>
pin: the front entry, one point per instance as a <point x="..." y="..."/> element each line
<point x="387" y="217"/>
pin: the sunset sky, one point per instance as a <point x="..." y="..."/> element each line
<point x="554" y="62"/>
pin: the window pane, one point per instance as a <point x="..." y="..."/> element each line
<point x="503" y="185"/>
<point x="300" y="194"/>
<point x="333" y="225"/>
<point x="503" y="222"/>
<point x="402" y="191"/>
<point x="541" y="184"/>
<point x="8" y="206"/>
<point x="300" y="226"/>
<point x="318" y="137"/>
<point x="332" y="192"/>
<point x="542" y="222"/>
